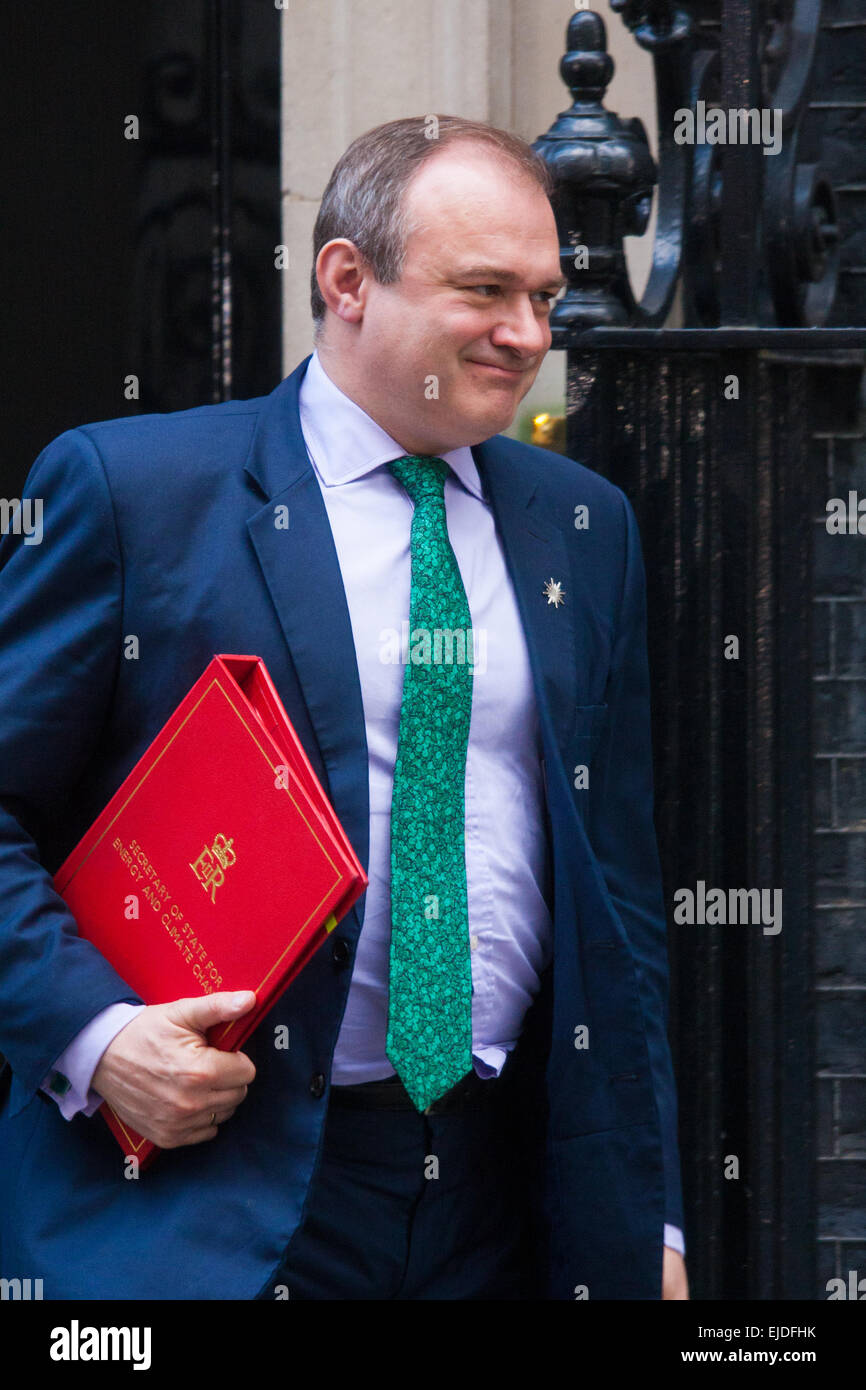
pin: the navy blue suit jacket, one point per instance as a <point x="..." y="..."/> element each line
<point x="162" y="527"/>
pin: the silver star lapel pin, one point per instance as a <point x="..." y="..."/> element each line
<point x="555" y="592"/>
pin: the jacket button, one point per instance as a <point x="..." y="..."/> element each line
<point x="317" y="1085"/>
<point x="340" y="950"/>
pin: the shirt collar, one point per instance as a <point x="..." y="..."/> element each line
<point x="345" y="444"/>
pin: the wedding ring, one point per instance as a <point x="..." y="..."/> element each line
<point x="213" y="1117"/>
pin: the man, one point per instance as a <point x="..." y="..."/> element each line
<point x="478" y="1099"/>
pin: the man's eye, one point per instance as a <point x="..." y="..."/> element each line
<point x="489" y="291"/>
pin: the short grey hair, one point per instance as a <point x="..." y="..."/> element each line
<point x="364" y="200"/>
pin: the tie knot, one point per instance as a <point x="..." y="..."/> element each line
<point x="422" y="475"/>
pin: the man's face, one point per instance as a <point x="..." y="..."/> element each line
<point x="445" y="355"/>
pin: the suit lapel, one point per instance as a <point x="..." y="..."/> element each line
<point x="300" y="567"/>
<point x="535" y="552"/>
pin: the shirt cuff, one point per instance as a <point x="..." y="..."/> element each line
<point x="68" y="1082"/>
<point x="489" y="1061"/>
<point x="673" y="1237"/>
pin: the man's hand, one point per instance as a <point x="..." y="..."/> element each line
<point x="674" y="1282"/>
<point x="162" y="1078"/>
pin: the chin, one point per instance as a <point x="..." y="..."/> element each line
<point x="478" y="430"/>
<point x="495" y="424"/>
<point x="487" y="419"/>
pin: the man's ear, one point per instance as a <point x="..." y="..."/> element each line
<point x="342" y="274"/>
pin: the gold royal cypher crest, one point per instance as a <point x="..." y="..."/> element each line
<point x="212" y="863"/>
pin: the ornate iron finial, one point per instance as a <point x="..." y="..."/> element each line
<point x="604" y="175"/>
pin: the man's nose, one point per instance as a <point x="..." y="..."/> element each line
<point x="522" y="328"/>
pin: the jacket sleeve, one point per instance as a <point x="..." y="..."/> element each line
<point x="621" y="828"/>
<point x="61" y="592"/>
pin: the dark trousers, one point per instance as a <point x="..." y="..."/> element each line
<point x="414" y="1206"/>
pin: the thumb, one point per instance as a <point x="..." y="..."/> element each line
<point x="202" y="1013"/>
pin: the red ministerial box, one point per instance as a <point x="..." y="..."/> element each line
<point x="218" y="864"/>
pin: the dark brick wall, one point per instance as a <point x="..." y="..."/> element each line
<point x="838" y="116"/>
<point x="839" y="627"/>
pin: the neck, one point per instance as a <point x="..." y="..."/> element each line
<point x="338" y="367"/>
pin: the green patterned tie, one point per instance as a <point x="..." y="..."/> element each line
<point x="430" y="998"/>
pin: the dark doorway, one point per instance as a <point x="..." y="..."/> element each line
<point x="147" y="253"/>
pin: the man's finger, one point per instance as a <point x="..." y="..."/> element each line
<point x="231" y="1070"/>
<point x="201" y="1013"/>
<point x="230" y="1095"/>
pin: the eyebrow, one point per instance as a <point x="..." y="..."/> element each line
<point x="480" y="273"/>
